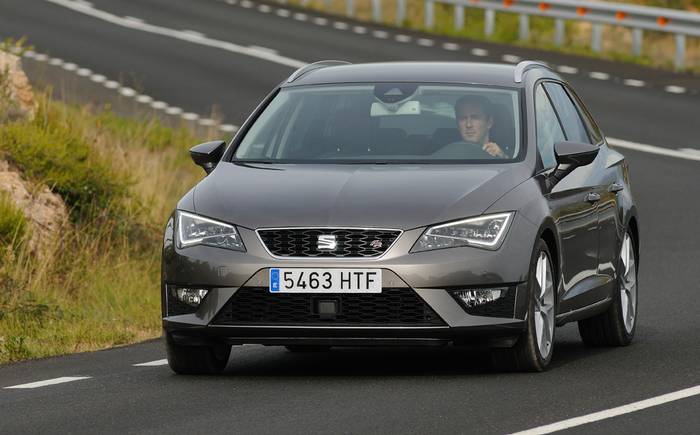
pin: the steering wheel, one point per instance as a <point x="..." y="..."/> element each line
<point x="462" y="149"/>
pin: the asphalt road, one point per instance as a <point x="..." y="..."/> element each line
<point x="374" y="390"/>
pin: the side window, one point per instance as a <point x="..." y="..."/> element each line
<point x="593" y="130"/>
<point x="570" y="119"/>
<point x="549" y="130"/>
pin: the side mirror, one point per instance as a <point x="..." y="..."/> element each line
<point x="208" y="154"/>
<point x="575" y="153"/>
<point x="571" y="155"/>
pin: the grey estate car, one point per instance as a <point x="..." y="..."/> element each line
<point x="404" y="204"/>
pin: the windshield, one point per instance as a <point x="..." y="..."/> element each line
<point x="386" y="122"/>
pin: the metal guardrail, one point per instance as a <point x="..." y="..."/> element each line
<point x="681" y="24"/>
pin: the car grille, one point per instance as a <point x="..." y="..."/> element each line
<point x="392" y="307"/>
<point x="351" y="243"/>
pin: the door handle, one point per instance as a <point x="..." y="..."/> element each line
<point x="615" y="187"/>
<point x="592" y="197"/>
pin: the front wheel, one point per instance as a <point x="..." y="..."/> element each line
<point x="533" y="350"/>
<point x="197" y="360"/>
<point x="616" y="326"/>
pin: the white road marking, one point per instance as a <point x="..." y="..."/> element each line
<point x="144" y="99"/>
<point x="381" y="34"/>
<point x="206" y="122"/>
<point x="283" y="12"/>
<point x="613" y="412"/>
<point x="159" y="105"/>
<point x="158" y="362"/>
<point x="111" y="84"/>
<point x="98" y="78"/>
<point x="172" y="110"/>
<point x="675" y="89"/>
<point x="320" y="21"/>
<point x="134" y="19"/>
<point x="681" y="154"/>
<point x="634" y="83"/>
<point x="264" y="9"/>
<point x="47" y="382"/>
<point x="29" y="53"/>
<point x="41" y="57"/>
<point x="232" y="2"/>
<point x="128" y="92"/>
<point x="340" y="25"/>
<point x="56" y="61"/>
<point x="511" y="58"/>
<point x="247" y="4"/>
<point x="194" y="33"/>
<point x="265" y="49"/>
<point x="83" y="72"/>
<point x="402" y="38"/>
<point x="359" y="30"/>
<point x="690" y="150"/>
<point x="229" y="128"/>
<point x="565" y="69"/>
<point x="479" y="52"/>
<point x="189" y="116"/>
<point x="300" y="17"/>
<point x="599" y="75"/>
<point x="425" y="42"/>
<point x="450" y="46"/>
<point x="70" y="66"/>
<point x="178" y="34"/>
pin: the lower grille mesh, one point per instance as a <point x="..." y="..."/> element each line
<point x="392" y="307"/>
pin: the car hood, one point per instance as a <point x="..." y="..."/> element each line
<point x="383" y="196"/>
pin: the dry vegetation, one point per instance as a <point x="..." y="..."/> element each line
<point x="658" y="48"/>
<point x="97" y="284"/>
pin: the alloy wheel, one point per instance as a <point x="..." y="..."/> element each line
<point x="544" y="305"/>
<point x="628" y="284"/>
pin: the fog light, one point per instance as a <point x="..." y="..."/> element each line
<point x="190" y="296"/>
<point x="476" y="297"/>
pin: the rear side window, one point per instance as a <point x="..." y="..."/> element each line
<point x="593" y="130"/>
<point x="569" y="116"/>
<point x="549" y="130"/>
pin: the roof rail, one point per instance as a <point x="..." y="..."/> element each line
<point x="314" y="66"/>
<point x="523" y="67"/>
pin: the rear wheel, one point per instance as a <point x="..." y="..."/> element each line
<point x="534" y="348"/>
<point x="297" y="348"/>
<point x="197" y="360"/>
<point x="616" y="326"/>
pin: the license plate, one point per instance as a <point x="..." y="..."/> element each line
<point x="304" y="280"/>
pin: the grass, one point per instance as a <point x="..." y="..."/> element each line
<point x="658" y="48"/>
<point x="97" y="286"/>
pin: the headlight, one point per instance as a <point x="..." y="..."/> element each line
<point x="197" y="230"/>
<point x="481" y="232"/>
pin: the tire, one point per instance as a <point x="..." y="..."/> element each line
<point x="530" y="353"/>
<point x="197" y="360"/>
<point x="298" y="348"/>
<point x="614" y="327"/>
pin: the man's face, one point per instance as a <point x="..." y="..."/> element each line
<point x="473" y="123"/>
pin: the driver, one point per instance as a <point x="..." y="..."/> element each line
<point x="474" y="122"/>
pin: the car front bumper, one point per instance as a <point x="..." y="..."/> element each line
<point x="430" y="275"/>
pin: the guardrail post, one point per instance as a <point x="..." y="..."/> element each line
<point x="524" y="27"/>
<point x="459" y="17"/>
<point x="637" y="36"/>
<point x="376" y="10"/>
<point x="559" y="32"/>
<point x="489" y="21"/>
<point x="597" y="37"/>
<point x="680" y="51"/>
<point x="429" y="14"/>
<point x="400" y="12"/>
<point x="350" y="8"/>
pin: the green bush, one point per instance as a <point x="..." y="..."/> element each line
<point x="13" y="224"/>
<point x="52" y="154"/>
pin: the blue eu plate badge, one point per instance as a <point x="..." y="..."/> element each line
<point x="274" y="280"/>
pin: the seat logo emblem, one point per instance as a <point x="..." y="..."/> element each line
<point x="327" y="242"/>
<point x="376" y="244"/>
